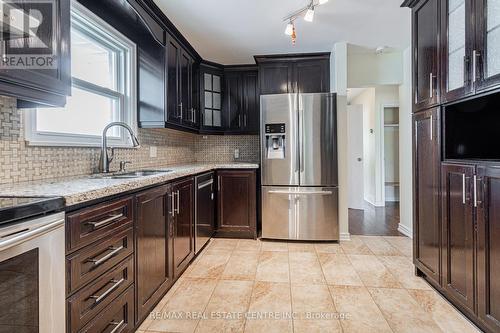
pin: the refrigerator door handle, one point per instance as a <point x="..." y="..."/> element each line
<point x="301" y="137"/>
<point x="297" y="216"/>
<point x="302" y="193"/>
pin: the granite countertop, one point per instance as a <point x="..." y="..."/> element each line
<point x="79" y="189"/>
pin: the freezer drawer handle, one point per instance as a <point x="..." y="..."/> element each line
<point x="302" y="193"/>
<point x="205" y="184"/>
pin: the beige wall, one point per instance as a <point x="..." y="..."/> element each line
<point x="21" y="162"/>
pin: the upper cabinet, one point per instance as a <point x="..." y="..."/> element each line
<point x="211" y="81"/>
<point x="426" y="53"/>
<point x="241" y="100"/>
<point x="487" y="51"/>
<point x="456" y="45"/>
<point x="457" y="48"/>
<point x="281" y="74"/>
<point x="51" y="82"/>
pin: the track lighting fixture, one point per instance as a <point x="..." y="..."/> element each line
<point x="289" y="28"/>
<point x="309" y="17"/>
<point x="307" y="11"/>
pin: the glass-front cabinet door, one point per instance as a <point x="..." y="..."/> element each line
<point x="457" y="31"/>
<point x="487" y="52"/>
<point x="212" y="101"/>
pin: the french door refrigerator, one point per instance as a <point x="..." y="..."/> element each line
<point x="299" y="166"/>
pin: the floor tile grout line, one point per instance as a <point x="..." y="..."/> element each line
<point x="212" y="293"/>
<point x="290" y="287"/>
<point x="251" y="294"/>
<point x="328" y="287"/>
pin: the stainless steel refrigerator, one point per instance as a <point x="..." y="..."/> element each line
<point x="299" y="166"/>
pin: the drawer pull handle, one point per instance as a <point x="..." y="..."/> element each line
<point x="205" y="184"/>
<point x="107" y="221"/>
<point x="99" y="261"/>
<point x="117" y="324"/>
<point x="99" y="298"/>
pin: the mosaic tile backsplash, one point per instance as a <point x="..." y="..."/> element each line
<point x="21" y="162"/>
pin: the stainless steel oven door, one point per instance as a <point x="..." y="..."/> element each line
<point x="32" y="276"/>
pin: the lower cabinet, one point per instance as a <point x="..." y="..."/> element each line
<point x="488" y="246"/>
<point x="458" y="233"/>
<point x="123" y="255"/>
<point x="182" y="215"/>
<point x="236" y="203"/>
<point x="426" y="158"/>
<point x="154" y="273"/>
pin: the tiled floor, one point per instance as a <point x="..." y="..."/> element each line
<point x="364" y="285"/>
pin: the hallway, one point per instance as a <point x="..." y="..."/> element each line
<point x="375" y="221"/>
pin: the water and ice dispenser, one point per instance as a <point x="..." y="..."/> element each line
<point x="275" y="141"/>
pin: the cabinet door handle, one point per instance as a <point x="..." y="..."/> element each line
<point x="466" y="70"/>
<point x="180" y="107"/>
<point x="105" y="222"/>
<point x="101" y="260"/>
<point x="475" y="56"/>
<point x="431" y="85"/>
<point x="117" y="325"/>
<point x="475" y="191"/>
<point x="432" y="128"/>
<point x="463" y="188"/>
<point x="116" y="284"/>
<point x="239" y="120"/>
<point x="178" y="202"/>
<point x="245" y="120"/>
<point x="172" y="204"/>
<point x="218" y="183"/>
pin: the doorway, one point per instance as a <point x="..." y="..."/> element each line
<point x="373" y="160"/>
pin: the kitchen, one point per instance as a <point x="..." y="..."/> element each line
<point x="182" y="167"/>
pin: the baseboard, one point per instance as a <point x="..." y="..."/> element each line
<point x="405" y="230"/>
<point x="345" y="236"/>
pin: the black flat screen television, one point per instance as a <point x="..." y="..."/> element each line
<point x="471" y="129"/>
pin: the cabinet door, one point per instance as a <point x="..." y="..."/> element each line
<point x="275" y="78"/>
<point x="173" y="98"/>
<point x="233" y="101"/>
<point x="154" y="274"/>
<point x="48" y="86"/>
<point x="185" y="87"/>
<point x="426" y="184"/>
<point x="488" y="246"/>
<point x="312" y="76"/>
<point x="457" y="43"/>
<point x="425" y="43"/>
<point x="488" y="43"/>
<point x="458" y="233"/>
<point x="237" y="203"/>
<point x="183" y="232"/>
<point x="251" y="105"/>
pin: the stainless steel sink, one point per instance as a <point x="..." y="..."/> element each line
<point x="131" y="174"/>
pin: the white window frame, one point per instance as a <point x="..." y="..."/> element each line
<point x="127" y="84"/>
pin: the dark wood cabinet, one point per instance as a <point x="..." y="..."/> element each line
<point x="426" y="162"/>
<point x="487" y="50"/>
<point x="457" y="43"/>
<point x="488" y="246"/>
<point x="48" y="86"/>
<point x="153" y="248"/>
<point x="233" y="100"/>
<point x="236" y="203"/>
<point x="306" y="73"/>
<point x="426" y="53"/>
<point x="182" y="217"/>
<point x="458" y="216"/>
<point x="275" y="78"/>
<point x="241" y="100"/>
<point x="174" y="114"/>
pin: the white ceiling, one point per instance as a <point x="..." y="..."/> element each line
<point x="232" y="31"/>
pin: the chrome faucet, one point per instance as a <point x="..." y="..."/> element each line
<point x="105" y="159"/>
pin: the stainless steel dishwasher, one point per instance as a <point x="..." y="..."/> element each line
<point x="205" y="210"/>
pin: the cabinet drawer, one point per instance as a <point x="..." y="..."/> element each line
<point x="89" y="263"/>
<point x="118" y="317"/>
<point x="90" y="301"/>
<point x="97" y="222"/>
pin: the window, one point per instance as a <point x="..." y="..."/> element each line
<point x="213" y="108"/>
<point x="103" y="66"/>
